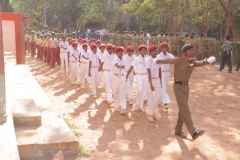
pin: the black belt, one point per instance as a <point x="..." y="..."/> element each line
<point x="181" y="83"/>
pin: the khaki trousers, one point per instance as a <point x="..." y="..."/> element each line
<point x="182" y="93"/>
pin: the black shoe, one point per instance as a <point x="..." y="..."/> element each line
<point x="236" y="69"/>
<point x="197" y="134"/>
<point x="220" y="70"/>
<point x="181" y="134"/>
<point x="229" y="71"/>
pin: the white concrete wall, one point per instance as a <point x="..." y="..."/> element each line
<point x="9" y="42"/>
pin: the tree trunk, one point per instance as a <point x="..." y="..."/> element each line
<point x="221" y="30"/>
<point x="206" y="24"/>
<point x="184" y="12"/>
<point x="229" y="15"/>
<point x="227" y="29"/>
<point x="127" y="22"/>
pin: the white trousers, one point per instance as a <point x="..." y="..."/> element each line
<point x="153" y="96"/>
<point x="75" y="72"/>
<point x="129" y="86"/>
<point x="141" y="89"/>
<point x="118" y="89"/>
<point x="102" y="78"/>
<point x="94" y="80"/>
<point x="84" y="72"/>
<point x="64" y="60"/>
<point x="108" y="80"/>
<point x="165" y="97"/>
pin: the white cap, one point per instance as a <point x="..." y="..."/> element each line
<point x="211" y="59"/>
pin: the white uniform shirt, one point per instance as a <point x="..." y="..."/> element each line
<point x="154" y="68"/>
<point x="100" y="53"/>
<point x="128" y="61"/>
<point x="165" y="67"/>
<point x="140" y="65"/>
<point x="74" y="54"/>
<point x="108" y="60"/>
<point x="86" y="55"/>
<point x="121" y="62"/>
<point x="64" y="45"/>
<point x="94" y="58"/>
<point x="53" y="42"/>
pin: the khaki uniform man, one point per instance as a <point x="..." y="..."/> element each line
<point x="183" y="67"/>
<point x="212" y="46"/>
<point x="124" y="38"/>
<point x="118" y="39"/>
<point x="201" y="47"/>
<point x="184" y="40"/>
<point x="172" y="43"/>
<point x="111" y="35"/>
<point x="135" y="41"/>
<point x="155" y="40"/>
<point x="143" y="39"/>
<point x="192" y="40"/>
<point x="177" y="39"/>
<point x="165" y="38"/>
<point x="128" y="40"/>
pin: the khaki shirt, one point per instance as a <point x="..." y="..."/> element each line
<point x="202" y="41"/>
<point x="182" y="69"/>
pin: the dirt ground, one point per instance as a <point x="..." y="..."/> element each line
<point x="105" y="134"/>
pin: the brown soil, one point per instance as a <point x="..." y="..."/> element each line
<point x="105" y="134"/>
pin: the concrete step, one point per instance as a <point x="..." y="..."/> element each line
<point x="25" y="113"/>
<point x="37" y="142"/>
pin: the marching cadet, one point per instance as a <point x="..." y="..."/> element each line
<point x="177" y="39"/>
<point x="201" y="47"/>
<point x="38" y="42"/>
<point x="63" y="44"/>
<point x="192" y="40"/>
<point x="140" y="67"/>
<point x="165" y="38"/>
<point x="118" y="39"/>
<point x="119" y="79"/>
<point x="47" y="51"/>
<point x="212" y="46"/>
<point x="107" y="65"/>
<point x="94" y="64"/>
<point x="80" y="44"/>
<point x="154" y="84"/>
<point x="135" y="41"/>
<point x="111" y="38"/>
<point x="171" y="43"/>
<point x="53" y="49"/>
<point x="184" y="40"/>
<point x="148" y="38"/>
<point x="98" y="43"/>
<point x="84" y="64"/>
<point x="70" y="48"/>
<point x="165" y="72"/>
<point x="75" y="69"/>
<point x="129" y="58"/>
<point x="32" y="44"/>
<point x="58" y="49"/>
<point x="114" y="47"/>
<point x="155" y="39"/>
<point x="26" y="41"/>
<point x="41" y="47"/>
<point x="183" y="67"/>
<point x="151" y="39"/>
<point x="124" y="38"/>
<point x="101" y="53"/>
<point x="74" y="36"/>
